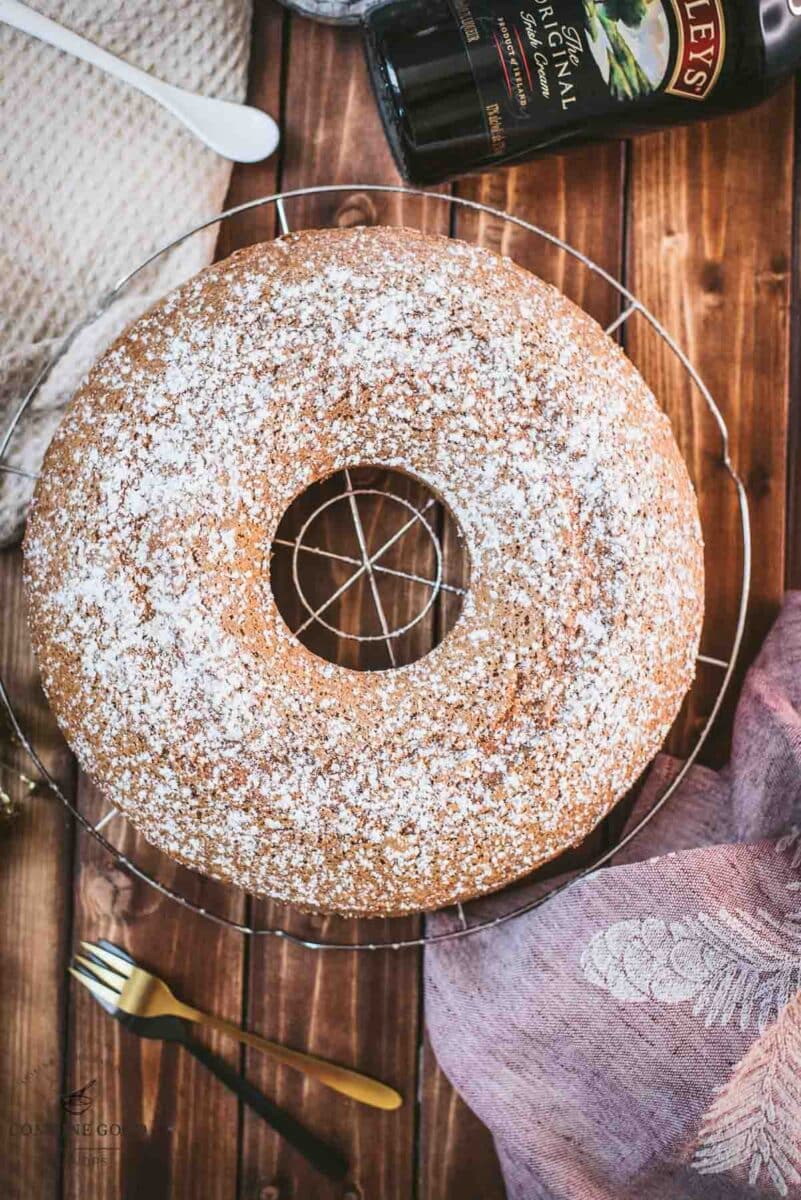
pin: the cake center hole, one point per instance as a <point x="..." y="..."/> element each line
<point x="369" y="568"/>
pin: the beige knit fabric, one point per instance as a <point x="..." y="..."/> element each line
<point x="94" y="177"/>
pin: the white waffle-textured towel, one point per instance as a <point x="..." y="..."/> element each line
<point x="94" y="178"/>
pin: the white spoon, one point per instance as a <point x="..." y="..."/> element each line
<point x="235" y="131"/>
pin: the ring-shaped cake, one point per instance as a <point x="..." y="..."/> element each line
<point x="187" y="699"/>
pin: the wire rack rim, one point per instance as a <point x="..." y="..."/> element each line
<point x="633" y="305"/>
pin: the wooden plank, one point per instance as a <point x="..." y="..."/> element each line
<point x="360" y="1008"/>
<point x="334" y="135"/>
<point x="579" y="198"/>
<point x="458" y="1160"/>
<point x="34" y="879"/>
<point x="251" y="180"/>
<point x="710" y="250"/>
<point x="180" y="1127"/>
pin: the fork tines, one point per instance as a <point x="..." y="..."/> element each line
<point x="105" y="984"/>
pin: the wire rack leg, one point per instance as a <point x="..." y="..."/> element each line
<point x="282" y="221"/>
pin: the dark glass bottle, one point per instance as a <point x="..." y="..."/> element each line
<point x="467" y="85"/>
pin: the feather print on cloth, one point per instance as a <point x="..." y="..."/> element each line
<point x="640" y="1035"/>
<point x="756" y="1118"/>
<point x="727" y="965"/>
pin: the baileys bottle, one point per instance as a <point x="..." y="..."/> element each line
<point x="466" y="85"/>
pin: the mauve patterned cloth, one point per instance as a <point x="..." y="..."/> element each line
<point x="640" y="1035"/>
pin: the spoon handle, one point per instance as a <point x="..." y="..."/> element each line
<point x="21" y="17"/>
<point x="236" y="131"/>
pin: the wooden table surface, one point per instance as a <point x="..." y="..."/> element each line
<point x="702" y="225"/>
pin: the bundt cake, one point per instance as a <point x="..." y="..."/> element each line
<point x="185" y="696"/>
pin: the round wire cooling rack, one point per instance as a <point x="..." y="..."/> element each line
<point x="461" y="924"/>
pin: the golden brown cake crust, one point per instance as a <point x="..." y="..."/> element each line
<point x="184" y="695"/>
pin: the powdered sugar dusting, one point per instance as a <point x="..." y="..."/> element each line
<point x="180" y="688"/>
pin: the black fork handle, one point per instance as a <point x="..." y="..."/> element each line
<point x="325" y="1158"/>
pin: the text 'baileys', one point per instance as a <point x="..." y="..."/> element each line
<point x="467" y="85"/>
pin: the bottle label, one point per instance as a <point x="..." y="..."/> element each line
<point x="549" y="64"/>
<point x="700" y="50"/>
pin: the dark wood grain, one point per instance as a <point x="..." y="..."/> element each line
<point x="578" y="198"/>
<point x="179" y="1126"/>
<point x="710" y="250"/>
<point x="34" y="918"/>
<point x="252" y="180"/>
<point x="334" y="136"/>
<point x="458" y="1158"/>
<point x="360" y="1008"/>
